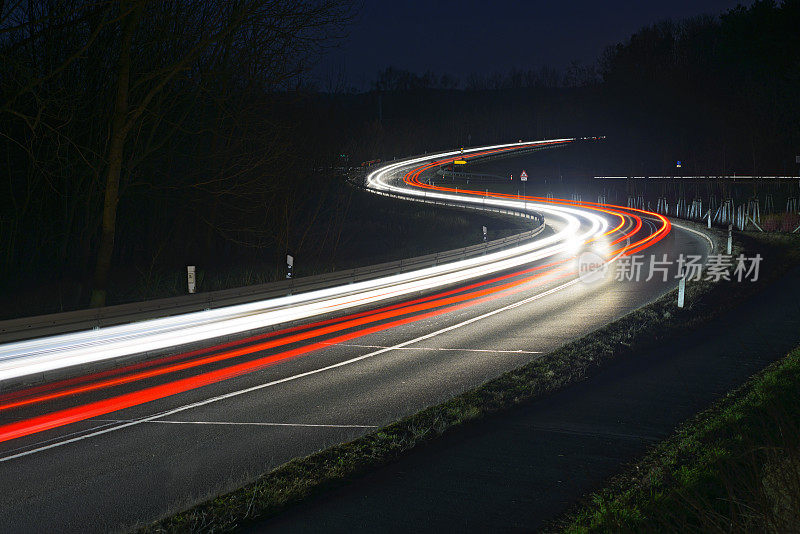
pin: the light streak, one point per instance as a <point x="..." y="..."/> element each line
<point x="578" y="223"/>
<point x="56" y="352"/>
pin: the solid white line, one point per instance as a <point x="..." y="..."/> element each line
<point x="290" y="378"/>
<point x="701" y="234"/>
<point x="235" y="423"/>
<point x="68" y="434"/>
<point x="432" y="348"/>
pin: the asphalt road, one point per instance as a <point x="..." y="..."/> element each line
<point x="517" y="470"/>
<point x="134" y="465"/>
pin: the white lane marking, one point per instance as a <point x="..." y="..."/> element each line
<point x="701" y="234"/>
<point x="235" y="423"/>
<point x="432" y="348"/>
<point x="77" y="432"/>
<point x="232" y="394"/>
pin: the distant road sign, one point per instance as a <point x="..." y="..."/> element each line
<point x="460" y="162"/>
<point x="524" y="176"/>
<point x="679" y="164"/>
<point x="797" y="159"/>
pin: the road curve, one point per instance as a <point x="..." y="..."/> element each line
<point x="112" y="449"/>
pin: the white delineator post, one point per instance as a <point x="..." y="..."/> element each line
<point x="289" y="265"/>
<point x="484" y="234"/>
<point x="190" y="278"/>
<point x="730" y="239"/>
<point x="681" y="291"/>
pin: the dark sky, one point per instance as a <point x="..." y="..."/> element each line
<point x="465" y="36"/>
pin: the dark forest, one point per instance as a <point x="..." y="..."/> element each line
<point x="140" y="136"/>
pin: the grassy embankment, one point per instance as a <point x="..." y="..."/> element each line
<point x="733" y="468"/>
<point x="375" y="230"/>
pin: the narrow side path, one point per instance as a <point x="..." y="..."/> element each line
<point x="516" y="470"/>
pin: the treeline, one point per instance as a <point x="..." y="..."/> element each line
<point x="576" y="75"/>
<point x="719" y="93"/>
<point x="722" y="94"/>
<point x="133" y="131"/>
<point x="143" y="135"/>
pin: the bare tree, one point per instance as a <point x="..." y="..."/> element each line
<point x="94" y="88"/>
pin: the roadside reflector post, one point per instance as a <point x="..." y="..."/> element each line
<point x="289" y="265"/>
<point x="484" y="234"/>
<point x="190" y="278"/>
<point x="681" y="291"/>
<point x="730" y="238"/>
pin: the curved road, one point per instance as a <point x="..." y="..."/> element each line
<point x="119" y="448"/>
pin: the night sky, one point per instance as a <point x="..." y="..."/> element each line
<point x="461" y="37"/>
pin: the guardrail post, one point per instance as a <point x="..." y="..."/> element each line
<point x="190" y="278"/>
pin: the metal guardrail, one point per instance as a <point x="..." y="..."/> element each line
<point x="64" y="322"/>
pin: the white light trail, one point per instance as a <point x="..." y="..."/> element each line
<point x="45" y="354"/>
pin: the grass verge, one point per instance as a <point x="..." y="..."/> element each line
<point x="304" y="477"/>
<point x="733" y="468"/>
<point x="373" y="230"/>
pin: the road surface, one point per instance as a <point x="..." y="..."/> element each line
<point x="114" y="449"/>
